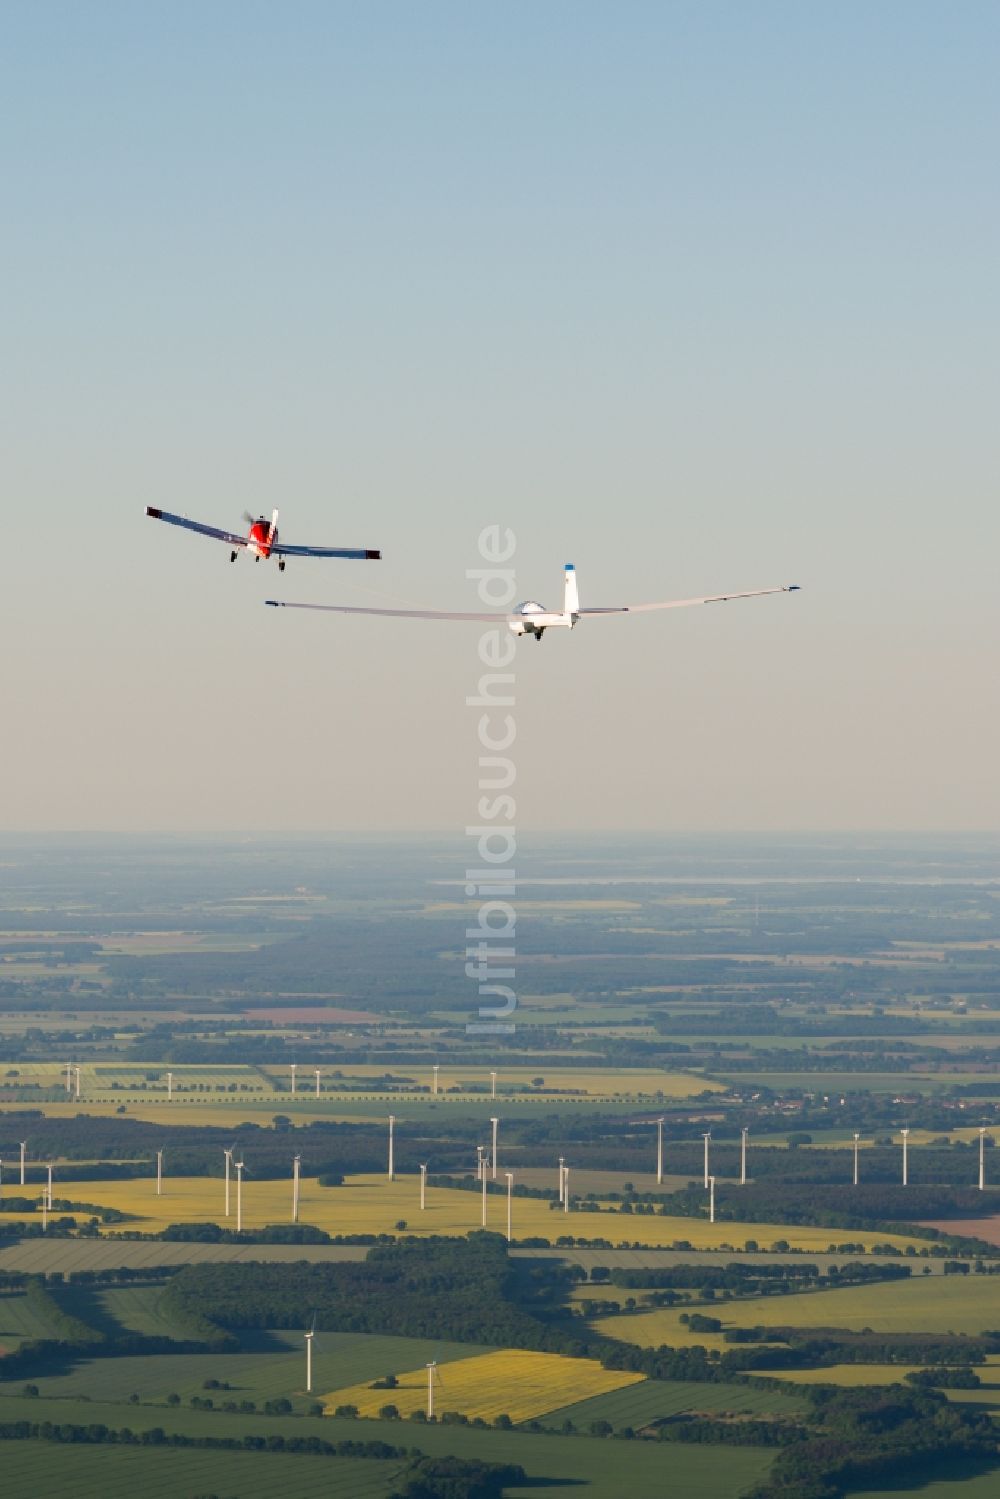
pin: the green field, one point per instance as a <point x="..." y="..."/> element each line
<point x="590" y="1467"/>
<point x="942" y="1304"/>
<point x="20" y="1321"/>
<point x="969" y="1481"/>
<point x="639" y="1404"/>
<point x="47" y="1468"/>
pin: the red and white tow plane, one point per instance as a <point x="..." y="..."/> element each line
<point x="262" y="539"/>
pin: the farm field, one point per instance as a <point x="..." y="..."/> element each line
<point x="958" y="1304"/>
<point x="591" y="1468"/>
<point x="652" y="1399"/>
<point x="372" y="1204"/>
<point x="20" y="1321"/>
<point x="970" y="1481"/>
<point x="44" y="1257"/>
<point x="165" y="1473"/>
<point x="513" y="1381"/>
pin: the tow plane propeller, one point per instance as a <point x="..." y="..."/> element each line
<point x="531" y="618"/>
<point x="261" y="541"/>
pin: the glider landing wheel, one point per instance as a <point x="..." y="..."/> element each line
<point x="232" y="556"/>
<point x="281" y="567"/>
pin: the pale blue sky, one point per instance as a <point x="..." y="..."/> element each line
<point x="697" y="296"/>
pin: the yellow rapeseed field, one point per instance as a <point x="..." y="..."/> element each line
<point x="513" y="1381"/>
<point x="372" y="1204"/>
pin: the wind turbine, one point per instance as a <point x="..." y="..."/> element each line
<point x="423" y="1186"/>
<point x="76" y="1070"/>
<point x="565" y="1189"/>
<point x="292" y="1066"/>
<point x="744" y="1132"/>
<point x="296" y="1165"/>
<point x="562" y="1160"/>
<point x="706" y="1137"/>
<point x="905" y="1134"/>
<point x="485" y="1185"/>
<point x="49" y="1189"/>
<point x="510" y="1194"/>
<point x="711" y="1199"/>
<point x="433" y="1373"/>
<point x="228" y="1153"/>
<point x="24" y="1146"/>
<point x="69" y="1077"/>
<point x="493" y="1085"/>
<point x="493" y="1156"/>
<point x="317" y="1074"/>
<point x="309" y="1355"/>
<point x="982" y="1158"/>
<point x="857" y="1139"/>
<point x="159" y="1173"/>
<point x="434" y="1086"/>
<point x="239" y="1196"/>
<point x="170" y="1086"/>
<point x="392" y="1167"/>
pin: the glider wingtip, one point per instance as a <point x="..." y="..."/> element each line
<point x="794" y="588"/>
<point x="156" y="514"/>
<point x="274" y="603"/>
<point x="373" y="555"/>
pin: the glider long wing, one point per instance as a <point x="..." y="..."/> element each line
<point x="229" y="537"/>
<point x="397" y="613"/>
<point x="357" y="554"/>
<point x="711" y="598"/>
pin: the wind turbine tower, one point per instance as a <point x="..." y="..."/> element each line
<point x="296" y="1166"/>
<point x="982" y="1158"/>
<point x="659" y="1151"/>
<point x="423" y="1186"/>
<point x="24" y="1145"/>
<point x="744" y="1132"/>
<point x="392" y="1165"/>
<point x="711" y="1199"/>
<point x="857" y="1141"/>
<point x="309" y="1356"/>
<point x="905" y="1133"/>
<point x="565" y="1189"/>
<point x="49" y="1187"/>
<point x="485" y="1185"/>
<point x="562" y="1162"/>
<point x="493" y="1157"/>
<point x="76" y="1071"/>
<point x="510" y="1197"/>
<point x="159" y="1173"/>
<point x="317" y="1074"/>
<point x="239" y="1196"/>
<point x="292" y="1066"/>
<point x="228" y="1153"/>
<point x="434" y="1085"/>
<point x="170" y="1086"/>
<point x="493" y="1085"/>
<point x="69" y="1077"/>
<point x="431" y="1368"/>
<point x="706" y="1137"/>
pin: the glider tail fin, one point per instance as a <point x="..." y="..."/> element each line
<point x="571" y="602"/>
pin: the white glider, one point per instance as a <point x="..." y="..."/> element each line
<point x="531" y="618"/>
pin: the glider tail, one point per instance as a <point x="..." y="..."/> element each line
<point x="571" y="601"/>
